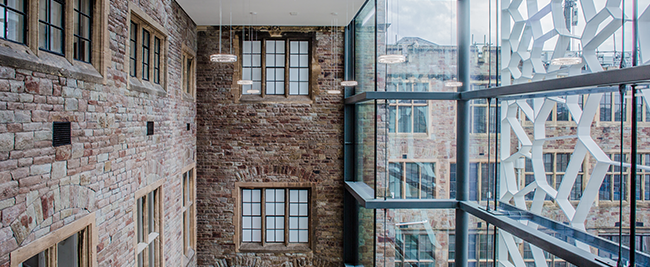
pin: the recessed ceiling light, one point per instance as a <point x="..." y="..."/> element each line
<point x="334" y="92"/>
<point x="245" y="82"/>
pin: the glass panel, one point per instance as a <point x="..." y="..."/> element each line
<point x="413" y="237"/>
<point x="68" y="251"/>
<point x="364" y="47"/>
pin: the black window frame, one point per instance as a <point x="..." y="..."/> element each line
<point x="78" y="40"/>
<point x="48" y="26"/>
<point x="7" y="9"/>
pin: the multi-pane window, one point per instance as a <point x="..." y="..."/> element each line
<point x="270" y="63"/>
<point x="275" y="67"/>
<point x="188" y="74"/>
<point x="611" y="108"/>
<point x="407" y="116"/>
<point x="479" y="117"/>
<point x="555" y="166"/>
<point x="642" y="244"/>
<point x="50" y="28"/>
<point x="299" y="68"/>
<point x="148" y="228"/>
<point x="72" y="251"/>
<point x="146" y="43"/>
<point x="643" y="112"/>
<point x="252" y="66"/>
<point x="610" y="189"/>
<point x="413" y="249"/>
<point x="480" y="250"/>
<point x="156" y="60"/>
<point x="83" y="18"/>
<point x="71" y="245"/>
<point x="133" y="53"/>
<point x="146" y="52"/>
<point x="189" y="215"/>
<point x="13" y="20"/>
<point x="551" y="260"/>
<point x="275" y="215"/>
<point x="412" y="180"/>
<point x="481" y="180"/>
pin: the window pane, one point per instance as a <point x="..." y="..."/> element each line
<point x="15" y="27"/>
<point x="405" y="122"/>
<point x="395" y="186"/>
<point x="68" y="251"/>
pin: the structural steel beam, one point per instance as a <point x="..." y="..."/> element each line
<point x="536" y="237"/>
<point x="365" y="196"/>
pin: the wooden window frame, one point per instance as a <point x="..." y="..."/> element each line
<point x="48" y="243"/>
<point x="286" y="246"/>
<point x="287" y="37"/>
<point x="34" y="58"/>
<point x="418" y="234"/>
<point x="396" y="104"/>
<point x="403" y="164"/>
<point x="188" y="209"/>
<point x="156" y="238"/>
<point x="188" y="73"/>
<point x="147" y="24"/>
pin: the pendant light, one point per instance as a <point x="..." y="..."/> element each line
<point x="333" y="24"/>
<point x="453" y="83"/>
<point x="566" y="61"/>
<point x="223" y="58"/>
<point x="251" y="90"/>
<point x="392" y="58"/>
<point x="243" y="82"/>
<point x="348" y="83"/>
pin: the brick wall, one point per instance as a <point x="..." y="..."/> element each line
<point x="43" y="188"/>
<point x="267" y="142"/>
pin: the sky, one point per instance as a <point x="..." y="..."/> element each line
<point x="435" y="21"/>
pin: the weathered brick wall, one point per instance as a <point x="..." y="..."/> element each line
<point x="267" y="142"/>
<point x="43" y="188"/>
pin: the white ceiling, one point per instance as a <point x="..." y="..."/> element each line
<point x="272" y="12"/>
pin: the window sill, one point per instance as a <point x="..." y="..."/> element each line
<point x="188" y="97"/>
<point x="273" y="248"/>
<point x="272" y="99"/>
<point x="21" y="57"/>
<point x="187" y="258"/>
<point x="146" y="87"/>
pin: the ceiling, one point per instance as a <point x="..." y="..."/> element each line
<point x="272" y="12"/>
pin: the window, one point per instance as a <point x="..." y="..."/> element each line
<point x="407" y="116"/>
<point x="642" y="244"/>
<point x="51" y="34"/>
<point x="414" y="249"/>
<point x="13" y="20"/>
<point x="555" y="165"/>
<point x="479" y="118"/>
<point x="610" y="188"/>
<point x="480" y="250"/>
<point x="83" y="19"/>
<point x="274" y="218"/>
<point x="277" y="67"/>
<point x="148" y="218"/>
<point x="481" y="180"/>
<point x="189" y="213"/>
<point x="68" y="246"/>
<point x="147" y="53"/>
<point x="188" y="73"/>
<point x="412" y="180"/>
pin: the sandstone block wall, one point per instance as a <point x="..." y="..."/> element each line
<point x="43" y="188"/>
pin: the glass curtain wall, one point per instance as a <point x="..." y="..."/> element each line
<point x="569" y="160"/>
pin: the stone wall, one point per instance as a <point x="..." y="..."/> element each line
<point x="261" y="142"/>
<point x="43" y="188"/>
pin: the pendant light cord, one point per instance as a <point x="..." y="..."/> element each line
<point x="219" y="26"/>
<point x="619" y="262"/>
